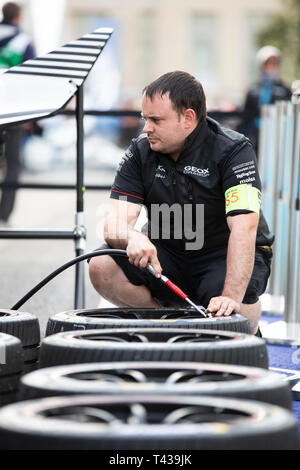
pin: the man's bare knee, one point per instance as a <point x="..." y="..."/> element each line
<point x="252" y="312"/>
<point x="111" y="283"/>
<point x="103" y="271"/>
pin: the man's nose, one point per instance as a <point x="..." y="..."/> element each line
<point x="147" y="127"/>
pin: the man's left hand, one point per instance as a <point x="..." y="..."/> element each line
<point x="222" y="306"/>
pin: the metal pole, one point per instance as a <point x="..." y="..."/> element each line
<point x="50" y="234"/>
<point x="80" y="228"/>
<point x="274" y="141"/>
<point x="53" y="186"/>
<point x="292" y="301"/>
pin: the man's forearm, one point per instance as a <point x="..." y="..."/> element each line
<point x="140" y="250"/>
<point x="120" y="222"/>
<point x="239" y="265"/>
<point x="119" y="240"/>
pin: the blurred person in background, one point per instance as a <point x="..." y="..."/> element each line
<point x="268" y="90"/>
<point x="129" y="125"/>
<point x="15" y="48"/>
<point x="296" y="91"/>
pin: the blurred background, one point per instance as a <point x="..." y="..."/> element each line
<point x="214" y="40"/>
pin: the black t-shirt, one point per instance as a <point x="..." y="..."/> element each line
<point x="215" y="176"/>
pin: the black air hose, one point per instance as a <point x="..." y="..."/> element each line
<point x="62" y="268"/>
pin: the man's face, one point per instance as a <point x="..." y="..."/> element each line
<point x="271" y="66"/>
<point x="165" y="129"/>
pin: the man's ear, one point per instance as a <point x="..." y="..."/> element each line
<point x="190" y="118"/>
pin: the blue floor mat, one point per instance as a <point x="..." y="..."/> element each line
<point x="286" y="357"/>
<point x="268" y="317"/>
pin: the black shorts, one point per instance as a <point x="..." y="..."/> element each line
<point x="200" y="277"/>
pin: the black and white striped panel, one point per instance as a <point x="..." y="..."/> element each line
<point x="42" y="86"/>
<point x="74" y="60"/>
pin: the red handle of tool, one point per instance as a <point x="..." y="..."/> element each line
<point x="176" y="289"/>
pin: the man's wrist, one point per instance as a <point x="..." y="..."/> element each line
<point x="236" y="296"/>
<point x="132" y="233"/>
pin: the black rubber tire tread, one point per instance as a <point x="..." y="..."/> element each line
<point x="14" y="356"/>
<point x="245" y="382"/>
<point x="148" y="318"/>
<point x="251" y="425"/>
<point x="30" y="367"/>
<point x="73" y="347"/>
<point x="9" y="383"/>
<point x="31" y="354"/>
<point x="7" y="398"/>
<point x="23" y="325"/>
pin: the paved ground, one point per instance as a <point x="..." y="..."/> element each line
<point x="24" y="263"/>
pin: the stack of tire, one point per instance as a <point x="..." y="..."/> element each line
<point x="24" y="326"/>
<point x="19" y="350"/>
<point x="11" y="368"/>
<point x="179" y="317"/>
<point x="139" y="379"/>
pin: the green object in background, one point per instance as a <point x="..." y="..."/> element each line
<point x="9" y="57"/>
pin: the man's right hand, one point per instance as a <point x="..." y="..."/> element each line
<point x="141" y="251"/>
<point x="119" y="233"/>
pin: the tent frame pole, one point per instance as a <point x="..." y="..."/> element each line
<point x="80" y="227"/>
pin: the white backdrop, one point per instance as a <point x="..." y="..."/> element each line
<point x="44" y="21"/>
<point x="47" y="22"/>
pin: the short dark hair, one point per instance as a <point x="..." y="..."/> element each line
<point x="185" y="91"/>
<point x="10" y="11"/>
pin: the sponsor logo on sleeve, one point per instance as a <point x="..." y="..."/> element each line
<point x="244" y="172"/>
